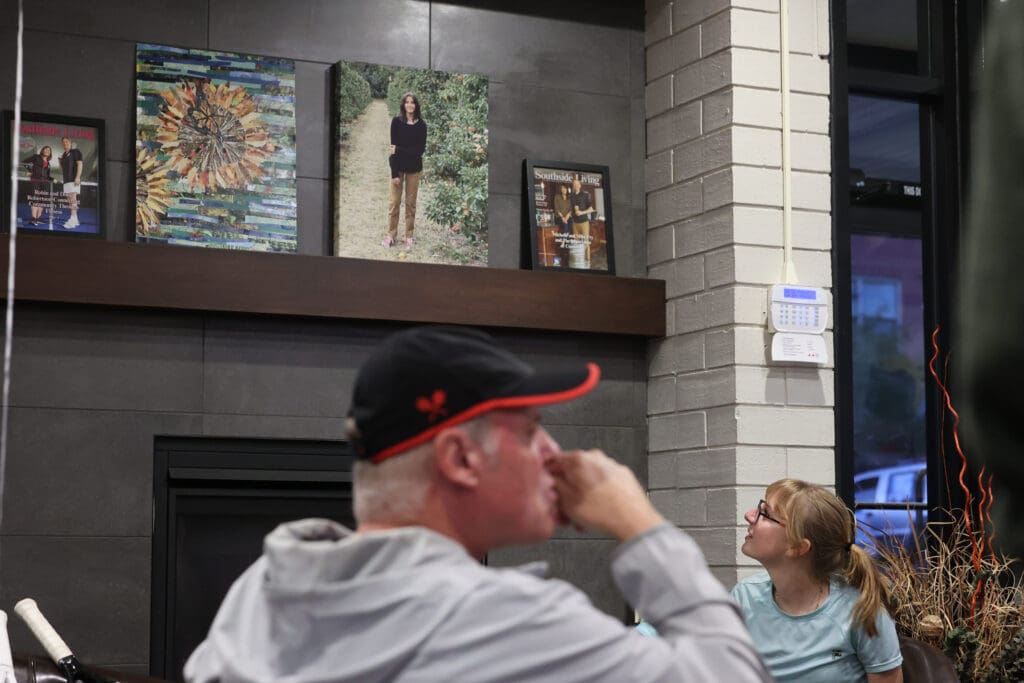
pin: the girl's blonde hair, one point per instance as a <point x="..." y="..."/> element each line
<point x="814" y="513"/>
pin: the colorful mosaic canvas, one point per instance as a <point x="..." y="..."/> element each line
<point x="214" y="149"/>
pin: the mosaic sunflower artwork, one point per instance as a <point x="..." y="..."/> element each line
<point x="215" y="149"/>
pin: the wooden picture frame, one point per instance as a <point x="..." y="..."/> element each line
<point x="569" y="216"/>
<point x="46" y="200"/>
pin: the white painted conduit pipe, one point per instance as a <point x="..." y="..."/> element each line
<point x="788" y="269"/>
<point x="9" y="320"/>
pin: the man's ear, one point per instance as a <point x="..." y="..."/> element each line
<point x="458" y="457"/>
<point x="800" y="549"/>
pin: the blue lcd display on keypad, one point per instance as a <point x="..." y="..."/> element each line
<point x="800" y="293"/>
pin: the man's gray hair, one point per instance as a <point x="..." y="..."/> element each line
<point x="395" y="490"/>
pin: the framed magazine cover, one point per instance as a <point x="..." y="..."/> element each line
<point x="59" y="168"/>
<point x="570" y="217"/>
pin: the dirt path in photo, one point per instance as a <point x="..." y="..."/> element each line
<point x="362" y="195"/>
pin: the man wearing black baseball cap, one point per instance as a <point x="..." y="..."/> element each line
<point x="454" y="463"/>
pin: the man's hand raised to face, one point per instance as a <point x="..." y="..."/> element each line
<point x="595" y="492"/>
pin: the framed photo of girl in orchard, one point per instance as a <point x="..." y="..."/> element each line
<point x="409" y="179"/>
<point x="59" y="171"/>
<point x="570" y="217"/>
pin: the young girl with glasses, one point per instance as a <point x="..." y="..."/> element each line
<point x="818" y="611"/>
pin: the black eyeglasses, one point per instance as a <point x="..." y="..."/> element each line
<point x="762" y="511"/>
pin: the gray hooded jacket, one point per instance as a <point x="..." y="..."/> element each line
<point x="324" y="604"/>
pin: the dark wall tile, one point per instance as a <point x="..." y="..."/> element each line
<point x="514" y="48"/>
<point x="528" y="122"/>
<point x="119" y="201"/>
<point x="637" y="65"/>
<point x="274" y="427"/>
<point x="312" y="119"/>
<point x="632" y="254"/>
<point x="630" y="242"/>
<point x="106" y="359"/>
<point x="504" y="230"/>
<point x="95" y="592"/>
<point x="558" y="345"/>
<point x="76" y="76"/>
<point x="182" y="23"/>
<point x="394" y="32"/>
<point x="84" y="472"/>
<point x="638" y="152"/>
<point x="629" y="14"/>
<point x="618" y="400"/>
<point x="8" y="55"/>
<point x="585" y="563"/>
<point x="314" y="211"/>
<point x="620" y="397"/>
<point x="624" y="444"/>
<point x="286" y="368"/>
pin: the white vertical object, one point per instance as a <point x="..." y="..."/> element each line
<point x="788" y="270"/>
<point x="54" y="645"/>
<point x="6" y="661"/>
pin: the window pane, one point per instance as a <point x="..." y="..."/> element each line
<point x="885" y="152"/>
<point x="882" y="34"/>
<point x="888" y="381"/>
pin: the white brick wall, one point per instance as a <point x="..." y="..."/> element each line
<point x="673" y="127"/>
<point x="658" y="95"/>
<point x="809" y="113"/>
<point x="674" y="53"/>
<point x="723" y="421"/>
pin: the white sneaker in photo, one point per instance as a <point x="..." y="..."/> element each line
<point x="72" y="223"/>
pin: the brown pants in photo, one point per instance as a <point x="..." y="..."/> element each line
<point x="411" y="181"/>
<point x="583" y="229"/>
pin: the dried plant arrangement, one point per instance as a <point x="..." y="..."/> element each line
<point x="972" y="611"/>
<point x="954" y="589"/>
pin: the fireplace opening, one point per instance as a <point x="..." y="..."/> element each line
<point x="214" y="501"/>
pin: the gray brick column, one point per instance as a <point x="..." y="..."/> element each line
<point x="723" y="422"/>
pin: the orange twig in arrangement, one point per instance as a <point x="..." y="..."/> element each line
<point x="982" y="505"/>
<point x="977" y="548"/>
<point x="988" y="521"/>
<point x="970" y="608"/>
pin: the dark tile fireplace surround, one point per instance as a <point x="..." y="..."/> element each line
<point x="151" y="405"/>
<point x="122" y="350"/>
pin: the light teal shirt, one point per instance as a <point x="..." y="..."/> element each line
<point x="821" y="647"/>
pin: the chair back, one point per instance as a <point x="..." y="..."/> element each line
<point x="924" y="663"/>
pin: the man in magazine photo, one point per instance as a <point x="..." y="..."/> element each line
<point x="582" y="211"/>
<point x="71" y="167"/>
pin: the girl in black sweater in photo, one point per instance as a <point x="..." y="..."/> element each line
<point x="40" y="165"/>
<point x="408" y="140"/>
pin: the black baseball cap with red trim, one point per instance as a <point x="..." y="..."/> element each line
<point x="422" y="380"/>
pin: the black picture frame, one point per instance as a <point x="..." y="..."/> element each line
<point x="39" y="131"/>
<point x="555" y="245"/>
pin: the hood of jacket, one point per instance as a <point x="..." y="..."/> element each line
<point x="326" y="604"/>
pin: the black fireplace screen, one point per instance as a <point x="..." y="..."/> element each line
<point x="215" y="500"/>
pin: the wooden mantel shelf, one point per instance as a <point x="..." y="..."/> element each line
<point x="95" y="272"/>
